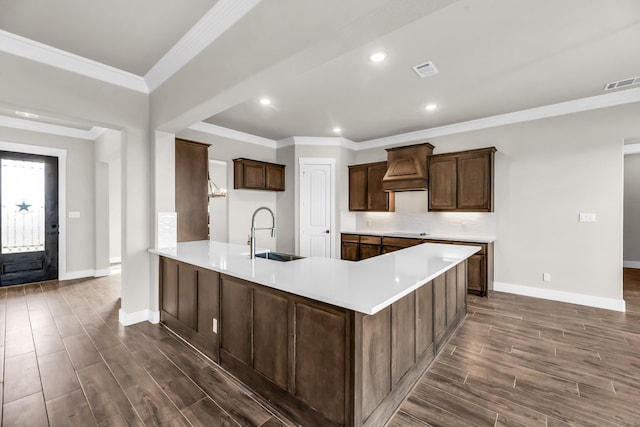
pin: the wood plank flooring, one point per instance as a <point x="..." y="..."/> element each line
<point x="519" y="361"/>
<point x="515" y="361"/>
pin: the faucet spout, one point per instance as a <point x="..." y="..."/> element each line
<point x="252" y="239"/>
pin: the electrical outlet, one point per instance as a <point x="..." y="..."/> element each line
<point x="215" y="325"/>
<point x="546" y="277"/>
<point x="587" y="217"/>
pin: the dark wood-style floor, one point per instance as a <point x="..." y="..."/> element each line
<point x="514" y="361"/>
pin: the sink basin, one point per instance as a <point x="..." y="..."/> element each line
<point x="278" y="256"/>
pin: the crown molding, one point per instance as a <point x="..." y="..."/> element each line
<point x="212" y="25"/>
<point x="579" y="105"/>
<point x="39" y="52"/>
<point x="576" y="106"/>
<point x="232" y="134"/>
<point x="33" y="126"/>
<point x="325" y="141"/>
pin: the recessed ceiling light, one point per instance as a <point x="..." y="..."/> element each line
<point x="430" y="107"/>
<point x="377" y="56"/>
<point x="337" y="129"/>
<point x="27" y="115"/>
<point x="264" y="101"/>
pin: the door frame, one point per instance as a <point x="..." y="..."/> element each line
<point x="62" y="200"/>
<point x="331" y="162"/>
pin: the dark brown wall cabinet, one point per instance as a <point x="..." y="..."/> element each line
<point x="189" y="303"/>
<point x="365" y="188"/>
<point x="462" y="181"/>
<point x="192" y="204"/>
<point x="256" y="175"/>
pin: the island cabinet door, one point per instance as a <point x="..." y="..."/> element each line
<point x="236" y="305"/>
<point x="187" y="295"/>
<point x="208" y="305"/>
<point x="169" y="286"/>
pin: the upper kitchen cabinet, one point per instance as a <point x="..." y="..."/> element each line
<point x="192" y="204"/>
<point x="365" y="188"/>
<point x="257" y="175"/>
<point x="462" y="181"/>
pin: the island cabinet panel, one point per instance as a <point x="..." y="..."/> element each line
<point x="403" y="336"/>
<point x="376" y="359"/>
<point x="439" y="310"/>
<point x="424" y="319"/>
<point x="208" y="305"/>
<point x="461" y="286"/>
<point x="189" y="303"/>
<point x="169" y="286"/>
<point x="270" y="336"/>
<point x="320" y="360"/>
<point x="187" y="295"/>
<point x="236" y="318"/>
<point x="451" y="284"/>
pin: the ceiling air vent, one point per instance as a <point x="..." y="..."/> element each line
<point x="425" y="70"/>
<point x="632" y="81"/>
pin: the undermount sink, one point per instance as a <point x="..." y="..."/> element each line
<point x="278" y="256"/>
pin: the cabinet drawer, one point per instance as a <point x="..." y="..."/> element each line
<point x="402" y="242"/>
<point x="370" y="240"/>
<point x="352" y="238"/>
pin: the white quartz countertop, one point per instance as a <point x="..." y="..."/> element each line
<point x="366" y="286"/>
<point x="426" y="235"/>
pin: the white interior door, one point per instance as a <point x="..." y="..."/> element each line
<point x="316" y="208"/>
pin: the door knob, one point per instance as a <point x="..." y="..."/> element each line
<point x="326" y="231"/>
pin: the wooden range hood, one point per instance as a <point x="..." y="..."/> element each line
<point x="407" y="168"/>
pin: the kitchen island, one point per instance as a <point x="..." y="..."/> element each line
<point x="329" y="342"/>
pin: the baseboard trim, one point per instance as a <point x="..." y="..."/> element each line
<point x="115" y="260"/>
<point x="562" y="296"/>
<point x="102" y="272"/>
<point x="138" y="316"/>
<point x="78" y="274"/>
<point x="631" y="264"/>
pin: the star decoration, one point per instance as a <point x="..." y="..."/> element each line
<point x="23" y="207"/>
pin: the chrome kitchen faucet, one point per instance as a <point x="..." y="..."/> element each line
<point x="252" y="239"/>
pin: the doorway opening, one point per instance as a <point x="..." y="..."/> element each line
<point x="28" y="218"/>
<point x="631" y="219"/>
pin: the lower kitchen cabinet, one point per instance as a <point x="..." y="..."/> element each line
<point x="189" y="303"/>
<point x="480" y="266"/>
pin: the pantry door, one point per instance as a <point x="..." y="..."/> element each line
<point x="28" y="218"/>
<point x="316" y="207"/>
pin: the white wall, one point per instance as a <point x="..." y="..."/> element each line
<point x="632" y="210"/>
<point x="42" y="89"/>
<point x="546" y="173"/>
<point x="241" y="203"/>
<point x="80" y="253"/>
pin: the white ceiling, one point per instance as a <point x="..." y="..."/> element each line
<point x="494" y="56"/>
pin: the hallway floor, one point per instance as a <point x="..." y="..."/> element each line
<point x="514" y="361"/>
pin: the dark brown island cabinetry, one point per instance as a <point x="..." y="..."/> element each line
<point x="189" y="303"/>
<point x="191" y="166"/>
<point x="365" y="188"/>
<point x="257" y="175"/>
<point x="462" y="181"/>
<point x="480" y="265"/>
<point x="319" y="364"/>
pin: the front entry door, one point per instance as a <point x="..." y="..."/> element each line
<point x="28" y="218"/>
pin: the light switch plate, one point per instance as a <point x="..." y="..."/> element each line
<point x="546" y="277"/>
<point x="74" y="214"/>
<point x="587" y="217"/>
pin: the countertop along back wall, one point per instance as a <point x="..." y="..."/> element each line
<point x="547" y="172"/>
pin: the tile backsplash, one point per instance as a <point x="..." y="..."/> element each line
<point x="411" y="216"/>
